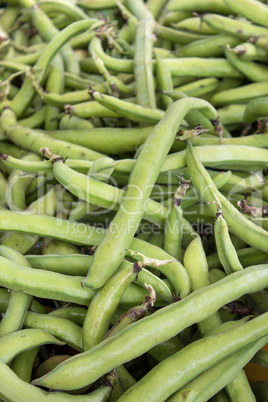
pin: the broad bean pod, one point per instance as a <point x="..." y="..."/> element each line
<point x="13" y="388"/>
<point x="207" y="384"/>
<point x="139" y="190"/>
<point x="240" y="226"/>
<point x="24" y="339"/>
<point x="160" y="326"/>
<point x="194" y="354"/>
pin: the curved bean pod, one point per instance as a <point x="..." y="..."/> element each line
<point x="71" y="264"/>
<point x="19" y="341"/>
<point x="239" y="225"/>
<point x="44" y="283"/>
<point x="143" y="70"/>
<point x="55" y="83"/>
<point x="33" y="141"/>
<point x="221" y="157"/>
<point x="23" y="364"/>
<point x="62" y="328"/>
<point x="164" y="80"/>
<point x="17" y="184"/>
<point x="19" y="302"/>
<point x="103" y="306"/>
<point x="216" y="347"/>
<point x="196" y="265"/>
<point x="226" y="251"/>
<point x="131" y="111"/>
<point x="253" y="10"/>
<point x="160" y="326"/>
<point x="254" y="71"/>
<point x="207" y="384"/>
<point x="247" y="256"/>
<point x="217" y="6"/>
<point x="104" y="139"/>
<point x="248" y="51"/>
<point x="241" y="94"/>
<point x="60" y="6"/>
<point x="160" y="287"/>
<point x="20" y="103"/>
<point x="241" y="29"/>
<point x="36" y="120"/>
<point x="74" y="314"/>
<point x="194" y="24"/>
<point x="3" y="185"/>
<point x="254" y="140"/>
<point x="208" y="47"/>
<point x="13" y="388"/>
<point x="193" y="118"/>
<point x="199" y="87"/>
<point x="101" y="194"/>
<point x="139" y="188"/>
<point x="201" y="67"/>
<point x="256" y="108"/>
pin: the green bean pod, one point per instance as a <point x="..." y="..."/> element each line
<point x="13" y="388"/>
<point x="253" y="10"/>
<point x="226" y="251"/>
<point x="19" y="341"/>
<point x="236" y="27"/>
<point x="160" y="287"/>
<point x="31" y="140"/>
<point x="131" y="208"/>
<point x="103" y="306"/>
<point x="194" y="355"/>
<point x="241" y="94"/>
<point x="19" y="302"/>
<point x="239" y="225"/>
<point x="36" y="120"/>
<point x="255" y="72"/>
<point x="247" y="256"/>
<point x="23" y="364"/>
<point x="44" y="283"/>
<point x="207" y="384"/>
<point x="60" y="6"/>
<point x="194" y="24"/>
<point x="143" y="64"/>
<point x="128" y="110"/>
<point x="101" y="194"/>
<point x="164" y="80"/>
<point x="75" y="314"/>
<point x="256" y="108"/>
<point x="217" y="6"/>
<point x="139" y="337"/>
<point x="55" y="83"/>
<point x="20" y="103"/>
<point x="199" y="87"/>
<point x="3" y="185"/>
<point x="17" y="184"/>
<point x="208" y="47"/>
<point x="105" y="139"/>
<point x="248" y="51"/>
<point x="63" y="329"/>
<point x="22" y="242"/>
<point x="196" y="265"/>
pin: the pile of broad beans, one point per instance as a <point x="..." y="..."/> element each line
<point x="133" y="200"/>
